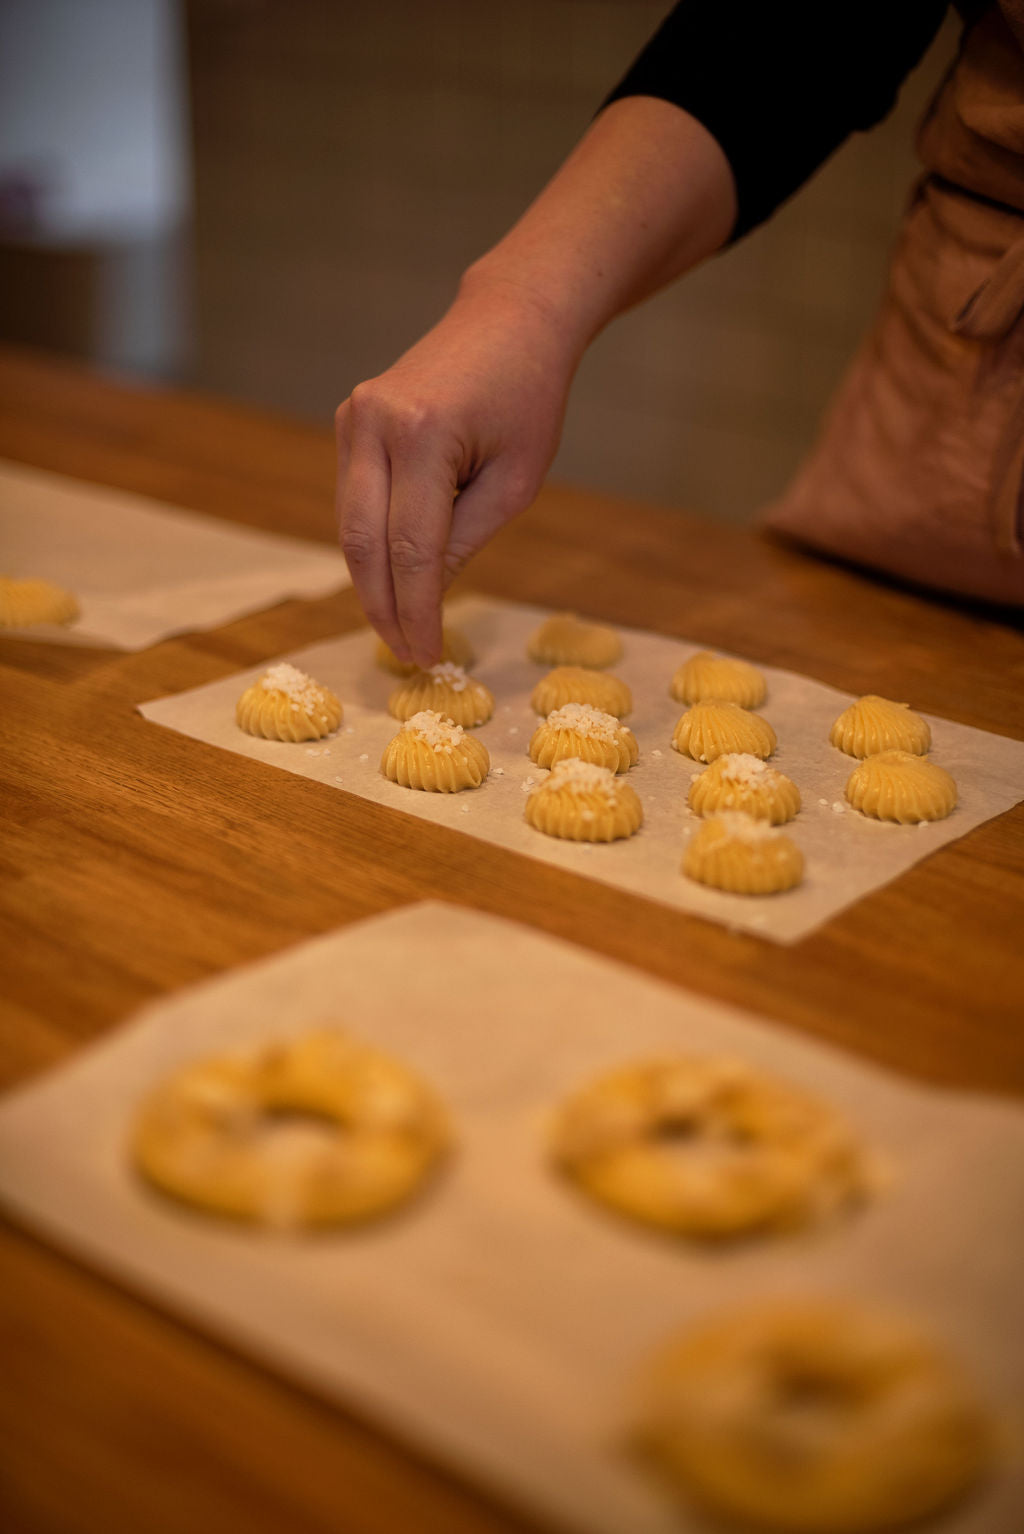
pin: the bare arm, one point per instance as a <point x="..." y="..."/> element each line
<point x="476" y="406"/>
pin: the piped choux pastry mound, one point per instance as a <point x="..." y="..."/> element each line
<point x="812" y="1417"/>
<point x="313" y="1131"/>
<point x="709" y="1148"/>
<point x="739" y="781"/>
<point x="897" y="785"/>
<point x="715" y="728"/>
<point x="444" y="689"/>
<point x="577" y="684"/>
<point x="579" y="730"/>
<point x="744" y="856"/>
<point x="455" y="648"/>
<point x="433" y="753"/>
<point x="28" y="601"/>
<point x="583" y="802"/>
<point x="286" y="704"/>
<point x="706" y="675"/>
<point x="565" y="640"/>
<point x="874" y="724"/>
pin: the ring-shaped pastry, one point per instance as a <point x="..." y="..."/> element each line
<point x="444" y="689"/>
<point x="708" y="1148"/>
<point x="580" y="730"/>
<point x="820" y="1417"/>
<point x="318" y="1130"/>
<point x="286" y="704"/>
<point x="706" y="675"/>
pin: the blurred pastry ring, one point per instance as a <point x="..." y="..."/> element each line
<point x="313" y="1131"/>
<point x="708" y="1147"/>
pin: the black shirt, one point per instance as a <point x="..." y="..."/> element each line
<point x="780" y="86"/>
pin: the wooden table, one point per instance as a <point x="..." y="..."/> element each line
<point x="145" y="861"/>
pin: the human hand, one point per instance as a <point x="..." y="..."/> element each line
<point x="437" y="453"/>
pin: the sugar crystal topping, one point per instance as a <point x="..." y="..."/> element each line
<point x="300" y="689"/>
<point x="580" y="777"/>
<point x="451" y="675"/>
<point x="744" y="828"/>
<point x="586" y="720"/>
<point x="435" y="730"/>
<point x="741" y="767"/>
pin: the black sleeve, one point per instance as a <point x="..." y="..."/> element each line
<point x="780" y="86"/>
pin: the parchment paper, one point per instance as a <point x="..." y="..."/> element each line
<point x="141" y="570"/>
<point x="847" y="855"/>
<point x="499" y="1322"/>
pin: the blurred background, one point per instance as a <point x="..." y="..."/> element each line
<point x="271" y="199"/>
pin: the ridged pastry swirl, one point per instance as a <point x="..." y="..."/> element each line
<point x="579" y="730"/>
<point x="714" y="728"/>
<point x="435" y="754"/>
<point x="582" y="802"/>
<point x="444" y="689"/>
<point x="874" y="724"/>
<point x="578" y="684"/>
<point x="897" y="785"/>
<point x="565" y="640"/>
<point x="286" y="704"/>
<point x="706" y="675"/>
<point x="28" y="601"/>
<point x="739" y="781"/>
<point x="734" y="852"/>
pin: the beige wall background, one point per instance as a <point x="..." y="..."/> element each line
<point x="350" y="159"/>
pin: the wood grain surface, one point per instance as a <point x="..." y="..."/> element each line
<point x="137" y="861"/>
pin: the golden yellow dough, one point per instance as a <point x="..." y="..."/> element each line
<point x="739" y="781"/>
<point x="715" y="728"/>
<point x="28" y="601"/>
<point x="444" y="689"/>
<point x="708" y="1148"/>
<point x="577" y="684"/>
<point x="897" y="785"/>
<point x="874" y="724"/>
<point x="434" y="753"/>
<point x="813" y="1417"/>
<point x="286" y="704"/>
<point x="735" y="852"/>
<point x="583" y="802"/>
<point x="455" y="648"/>
<point x="565" y="640"/>
<point x="316" y="1130"/>
<point x="706" y="675"/>
<point x="578" y="729"/>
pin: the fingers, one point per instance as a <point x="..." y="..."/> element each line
<point x="395" y="493"/>
<point x="422" y="492"/>
<point x="493" y="499"/>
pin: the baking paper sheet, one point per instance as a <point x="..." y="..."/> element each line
<point x="499" y="1321"/>
<point x="846" y="854"/>
<point x="143" y="571"/>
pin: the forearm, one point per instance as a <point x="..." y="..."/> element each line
<point x="646" y="195"/>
